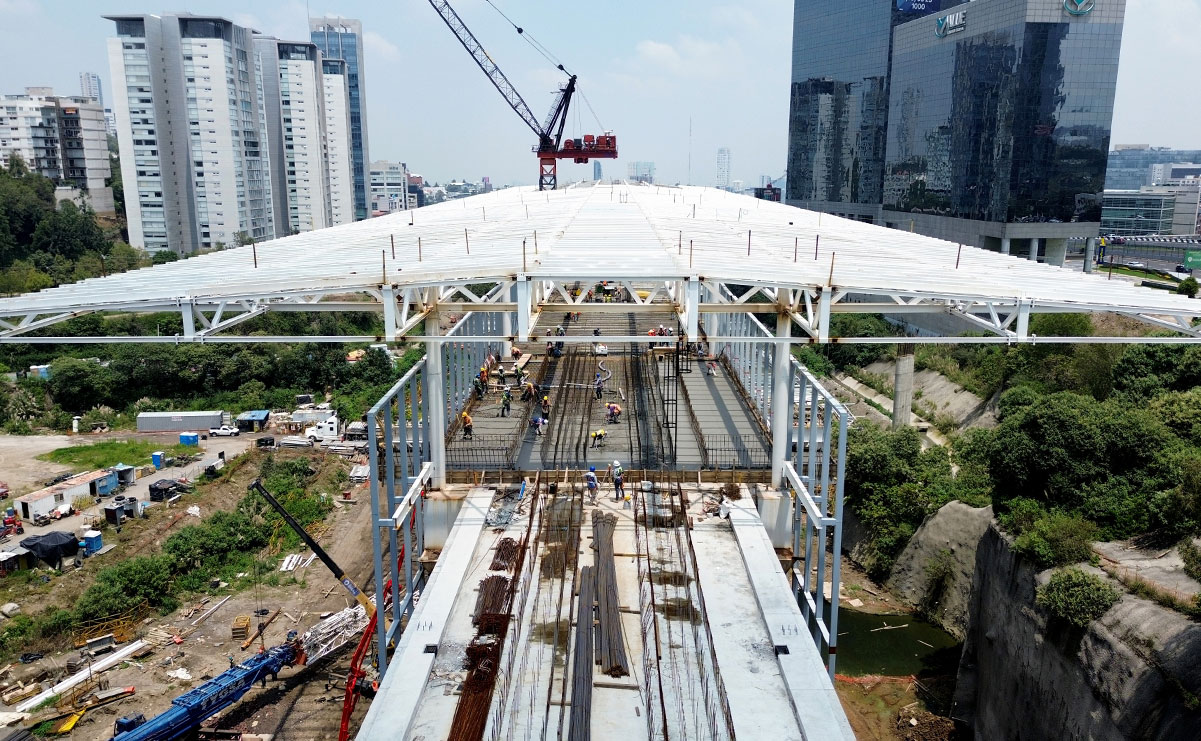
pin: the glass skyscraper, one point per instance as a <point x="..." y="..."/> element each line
<point x="342" y="38"/>
<point x="981" y="122"/>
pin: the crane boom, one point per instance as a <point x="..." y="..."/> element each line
<point x="329" y="562"/>
<point x="476" y="50"/>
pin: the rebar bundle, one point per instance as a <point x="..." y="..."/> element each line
<point x="581" y="675"/>
<point x="492" y="605"/>
<point x="471" y="714"/>
<point x="506" y="554"/>
<point x="610" y="646"/>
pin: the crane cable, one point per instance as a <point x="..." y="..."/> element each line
<point x="533" y="42"/>
<point x="538" y="47"/>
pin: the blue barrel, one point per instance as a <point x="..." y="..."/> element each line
<point x="157" y="458"/>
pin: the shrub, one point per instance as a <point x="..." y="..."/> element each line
<point x="1191" y="556"/>
<point x="1188" y="287"/>
<point x="1057" y="539"/>
<point x="1075" y="597"/>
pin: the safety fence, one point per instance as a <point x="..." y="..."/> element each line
<point x="735" y="451"/>
<point x="481" y="452"/>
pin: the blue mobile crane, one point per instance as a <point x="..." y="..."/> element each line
<point x="189" y="710"/>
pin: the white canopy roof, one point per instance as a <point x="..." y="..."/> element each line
<point x="622" y="232"/>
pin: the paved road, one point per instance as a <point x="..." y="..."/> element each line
<point x="231" y="446"/>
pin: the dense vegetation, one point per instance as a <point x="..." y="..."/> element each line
<point x="1093" y="442"/>
<point x="43" y="243"/>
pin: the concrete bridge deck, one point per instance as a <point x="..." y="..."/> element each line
<point x="715" y="644"/>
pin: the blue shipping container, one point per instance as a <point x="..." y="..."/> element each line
<point x="157" y="459"/>
<point x="189" y="438"/>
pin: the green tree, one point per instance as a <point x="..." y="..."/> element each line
<point x="161" y="257"/>
<point x="79" y="385"/>
<point x="69" y="232"/>
<point x="1188" y="287"/>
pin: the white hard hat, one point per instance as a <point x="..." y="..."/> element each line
<point x="617" y="463"/>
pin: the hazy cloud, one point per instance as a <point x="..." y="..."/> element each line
<point x="379" y="47"/>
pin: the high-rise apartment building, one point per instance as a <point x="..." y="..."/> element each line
<point x="983" y="122"/>
<point x="62" y="138"/>
<point x="338" y="145"/>
<point x="192" y="131"/>
<point x="91" y="87"/>
<point x="342" y="38"/>
<point x="723" y="168"/>
<point x="596" y="170"/>
<point x="294" y="102"/>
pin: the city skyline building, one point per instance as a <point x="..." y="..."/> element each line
<point x="597" y="173"/>
<point x="192" y="131"/>
<point x="641" y="172"/>
<point x="723" y="168"/>
<point x="1129" y="165"/>
<point x="981" y="123"/>
<point x="62" y="138"/>
<point x="342" y="39"/>
<point x="90" y="86"/>
<point x="294" y="105"/>
<point x="338" y="144"/>
<point x="391" y="185"/>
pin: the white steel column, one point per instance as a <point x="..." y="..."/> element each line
<point x="388" y="293"/>
<point x="506" y="327"/>
<point x="1004" y="245"/>
<point x="781" y="399"/>
<point x="1090" y="253"/>
<point x="435" y="386"/>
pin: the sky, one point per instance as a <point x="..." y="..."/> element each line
<point x="673" y="79"/>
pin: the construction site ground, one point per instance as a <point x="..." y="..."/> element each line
<point x="298" y="705"/>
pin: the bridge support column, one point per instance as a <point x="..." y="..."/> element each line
<point x="1090" y="254"/>
<point x="1004" y="245"/>
<point x="781" y="398"/>
<point x="902" y="391"/>
<point x="435" y="386"/>
<point x="1033" y="249"/>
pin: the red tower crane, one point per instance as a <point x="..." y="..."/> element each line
<point x="550" y="132"/>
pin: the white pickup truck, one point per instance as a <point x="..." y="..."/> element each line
<point x="224" y="431"/>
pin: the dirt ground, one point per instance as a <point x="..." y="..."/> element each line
<point x="19" y="466"/>
<point x="886" y="711"/>
<point x="297" y="706"/>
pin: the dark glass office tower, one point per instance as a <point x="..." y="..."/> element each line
<point x="342" y="38"/>
<point x="838" y="111"/>
<point x="997" y="124"/>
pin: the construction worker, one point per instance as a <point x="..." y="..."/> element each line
<point x="484" y="374"/>
<point x="600" y="386"/>
<point x="516" y="353"/>
<point x="614" y="413"/>
<point x="598" y="438"/>
<point x="536" y="423"/>
<point x="545" y="406"/>
<point x="500" y="374"/>
<point x="479" y="387"/>
<point x="506" y="403"/>
<point x="596" y="332"/>
<point x="590" y="480"/>
<point x="528" y="392"/>
<point x="619" y="488"/>
<point x="466" y="426"/>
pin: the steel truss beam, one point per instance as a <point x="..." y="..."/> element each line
<point x="207" y="319"/>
